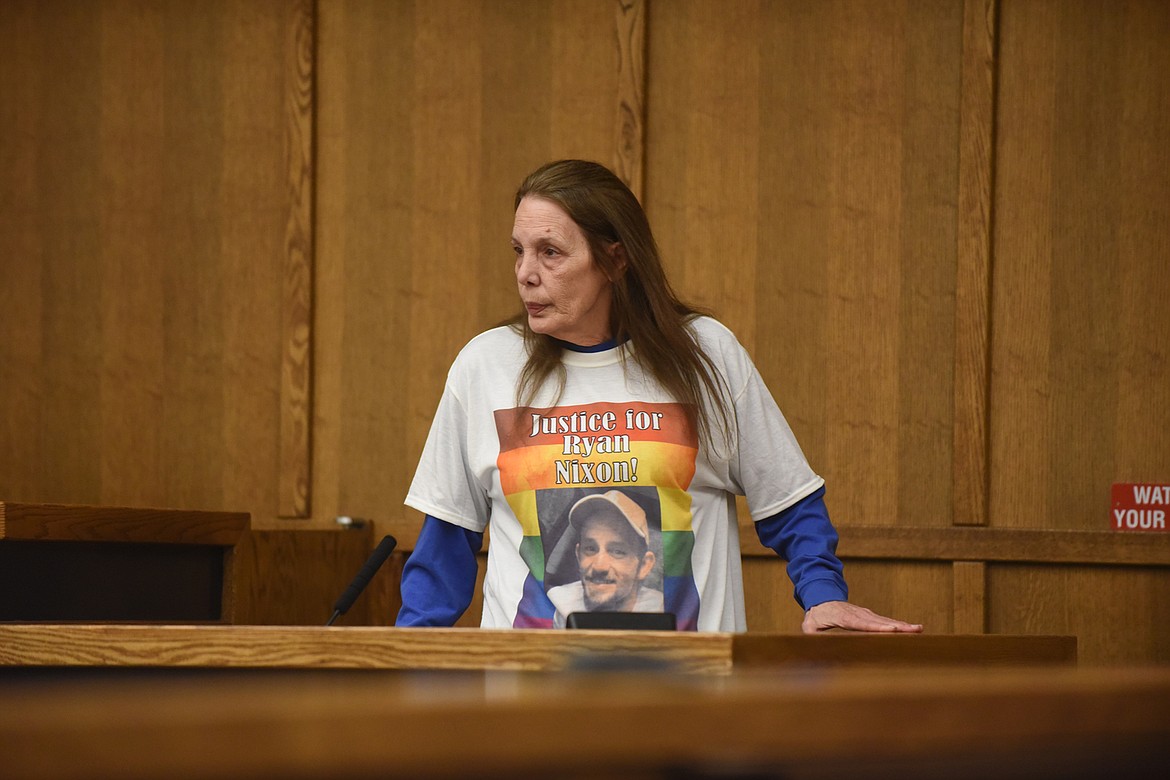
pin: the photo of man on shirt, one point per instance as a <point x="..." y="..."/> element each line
<point x="614" y="558"/>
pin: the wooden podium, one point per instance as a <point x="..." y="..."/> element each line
<point x="207" y="701"/>
<point x="67" y="563"/>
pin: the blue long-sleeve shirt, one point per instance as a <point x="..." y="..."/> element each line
<point x="438" y="580"/>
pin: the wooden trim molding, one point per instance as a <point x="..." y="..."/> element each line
<point x="992" y="545"/>
<point x="630" y="143"/>
<point x="296" y="369"/>
<point x="973" y="257"/>
<point x="69" y="523"/>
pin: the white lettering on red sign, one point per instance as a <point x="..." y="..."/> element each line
<point x="1140" y="507"/>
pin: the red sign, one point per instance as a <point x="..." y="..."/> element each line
<point x="1140" y="507"/>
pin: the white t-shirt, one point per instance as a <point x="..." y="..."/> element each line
<point x="486" y="461"/>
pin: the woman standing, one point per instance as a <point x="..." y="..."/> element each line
<point x="608" y="382"/>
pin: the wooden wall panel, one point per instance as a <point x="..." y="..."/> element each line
<point x="193" y="336"/>
<point x="52" y="221"/>
<point x="918" y="592"/>
<point x="296" y="378"/>
<point x="144" y="209"/>
<point x="818" y="174"/>
<point x="430" y="115"/>
<point x="293" y="576"/>
<point x="1080" y="390"/>
<point x="363" y="202"/>
<point x="801" y="164"/>
<point x="1108" y="589"/>
<point x="21" y="303"/>
<point x="629" y="129"/>
<point x="768" y="596"/>
<point x="133" y="153"/>
<point x="970" y="597"/>
<point x="254" y="203"/>
<point x="1117" y="614"/>
<point x="703" y="148"/>
<point x="973" y="263"/>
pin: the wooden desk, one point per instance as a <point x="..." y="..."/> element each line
<point x="311" y="647"/>
<point x="803" y="723"/>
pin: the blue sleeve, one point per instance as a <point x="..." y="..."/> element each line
<point x="803" y="536"/>
<point x="438" y="580"/>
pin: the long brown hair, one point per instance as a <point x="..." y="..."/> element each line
<point x="645" y="309"/>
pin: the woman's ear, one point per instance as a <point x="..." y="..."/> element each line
<point x="617" y="253"/>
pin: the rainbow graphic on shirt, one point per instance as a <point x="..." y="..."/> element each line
<point x="550" y="456"/>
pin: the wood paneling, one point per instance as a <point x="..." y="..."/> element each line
<point x="430" y="115"/>
<point x="629" y="145"/>
<point x="1108" y="589"/>
<point x="241" y="243"/>
<point x="1079" y="386"/>
<point x="998" y="544"/>
<point x="144" y="209"/>
<point x="919" y="592"/>
<point x="21" y="251"/>
<point x="915" y="592"/>
<point x="802" y="181"/>
<point x="703" y="156"/>
<point x="1118" y="615"/>
<point x="55" y="522"/>
<point x="970" y="597"/>
<point x="768" y="596"/>
<point x="296" y="374"/>
<point x="135" y="124"/>
<point x="49" y="345"/>
<point x="973" y="263"/>
<point x="293" y="577"/>
<point x="801" y="178"/>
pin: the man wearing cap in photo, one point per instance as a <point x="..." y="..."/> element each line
<point x="613" y="558"/>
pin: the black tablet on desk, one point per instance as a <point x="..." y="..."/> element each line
<point x="623" y="621"/>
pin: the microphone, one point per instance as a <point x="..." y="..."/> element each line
<point x="373" y="563"/>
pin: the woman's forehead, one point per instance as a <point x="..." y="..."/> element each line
<point x="542" y="218"/>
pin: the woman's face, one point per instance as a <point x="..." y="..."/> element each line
<point x="566" y="294"/>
